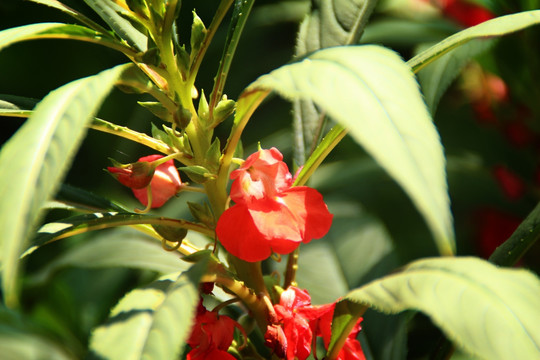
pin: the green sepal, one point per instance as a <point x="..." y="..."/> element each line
<point x="182" y="118"/>
<point x="203" y="110"/>
<point x="202" y="213"/>
<point x="161" y="135"/>
<point x="157" y="109"/>
<point x="150" y="57"/>
<point x="213" y="155"/>
<point x="224" y="109"/>
<point x="201" y="255"/>
<point x="138" y="7"/>
<point x="182" y="58"/>
<point x="170" y="233"/>
<point x="198" y="33"/>
<point x="198" y="174"/>
<point x="179" y="142"/>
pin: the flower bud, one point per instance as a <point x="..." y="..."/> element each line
<point x="136" y="175"/>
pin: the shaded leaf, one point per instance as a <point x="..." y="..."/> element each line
<point x="488" y="311"/>
<point x="474" y="35"/>
<point x="152" y="322"/>
<point x="330" y="23"/>
<point x="372" y="93"/>
<point x="37" y="157"/>
<point x="59" y="31"/>
<point x="123" y="247"/>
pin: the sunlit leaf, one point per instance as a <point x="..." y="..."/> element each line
<point x="59" y="31"/>
<point x="71" y="12"/>
<point x="472" y="36"/>
<point x="35" y="159"/>
<point x="490" y="312"/>
<point x="110" y="12"/>
<point x="373" y="94"/>
<point x="152" y="322"/>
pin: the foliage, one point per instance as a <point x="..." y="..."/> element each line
<point x="87" y="272"/>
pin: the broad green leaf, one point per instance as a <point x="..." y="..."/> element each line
<point x="152" y="322"/>
<point x="333" y="23"/>
<point x="89" y="222"/>
<point x="488" y="311"/>
<point x="371" y="92"/>
<point x="60" y="31"/>
<point x="437" y="76"/>
<point x="110" y="13"/>
<point x="330" y="23"/>
<point x="71" y="12"/>
<point x="25" y="345"/>
<point x="85" y="200"/>
<point x="35" y="160"/>
<point x="473" y="36"/>
<point x="123" y="247"/>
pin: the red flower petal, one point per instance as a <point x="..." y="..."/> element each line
<point x="164" y="185"/>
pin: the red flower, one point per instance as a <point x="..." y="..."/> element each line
<point x="211" y="336"/>
<point x="493" y="228"/>
<point x="511" y="184"/>
<point x="464" y="12"/>
<point x="269" y="214"/>
<point x="164" y="179"/>
<point x="290" y="334"/>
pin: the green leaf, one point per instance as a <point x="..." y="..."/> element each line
<point x="473" y="36"/>
<point x="330" y="23"/>
<point x="60" y="31"/>
<point x="151" y="323"/>
<point x="35" y="160"/>
<point x="437" y="76"/>
<point x="333" y="23"/>
<point x="372" y="93"/>
<point x="25" y="345"/>
<point x="110" y="13"/>
<point x="85" y="200"/>
<point x="124" y="248"/>
<point x="490" y="312"/>
<point x="75" y="14"/>
<point x="240" y="15"/>
<point x="89" y="222"/>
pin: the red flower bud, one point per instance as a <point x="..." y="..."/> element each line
<point x="136" y="176"/>
<point x="164" y="179"/>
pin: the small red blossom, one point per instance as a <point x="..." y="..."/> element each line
<point x="165" y="183"/>
<point x="136" y="176"/>
<point x="270" y="215"/>
<point x="464" y="12"/>
<point x="493" y="227"/>
<point x="511" y="184"/>
<point x="211" y="336"/>
<point x="163" y="179"/>
<point x="290" y="334"/>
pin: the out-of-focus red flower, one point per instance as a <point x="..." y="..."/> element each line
<point x="297" y="323"/>
<point x="164" y="180"/>
<point x="270" y="215"/>
<point x="211" y="336"/>
<point x="493" y="228"/>
<point x="511" y="184"/>
<point x="464" y="12"/>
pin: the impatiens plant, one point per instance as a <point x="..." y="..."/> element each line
<point x="258" y="236"/>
